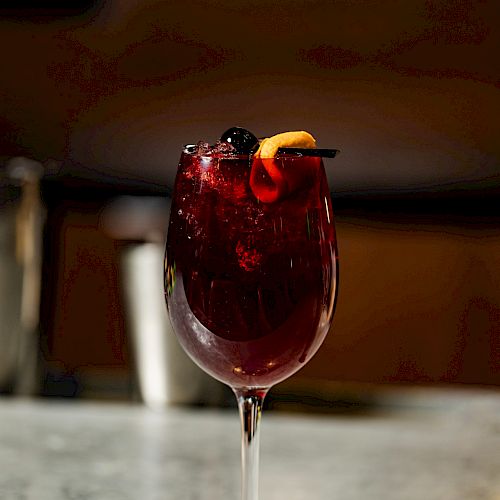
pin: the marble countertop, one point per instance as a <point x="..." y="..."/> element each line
<point x="432" y="445"/>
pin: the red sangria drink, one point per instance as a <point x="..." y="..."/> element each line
<point x="251" y="267"/>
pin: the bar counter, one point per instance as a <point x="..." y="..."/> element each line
<point x="416" y="444"/>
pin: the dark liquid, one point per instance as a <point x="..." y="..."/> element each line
<point x="250" y="286"/>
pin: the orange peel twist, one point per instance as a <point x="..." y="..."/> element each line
<point x="268" y="181"/>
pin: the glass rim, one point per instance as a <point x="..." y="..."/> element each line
<point x="241" y="156"/>
<point x="285" y="152"/>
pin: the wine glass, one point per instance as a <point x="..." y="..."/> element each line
<point x="250" y="273"/>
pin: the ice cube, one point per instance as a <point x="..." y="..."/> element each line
<point x="249" y="258"/>
<point x="203" y="148"/>
<point x="221" y="147"/>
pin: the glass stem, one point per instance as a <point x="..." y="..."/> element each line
<point x="250" y="406"/>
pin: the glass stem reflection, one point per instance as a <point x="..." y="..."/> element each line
<point x="250" y="406"/>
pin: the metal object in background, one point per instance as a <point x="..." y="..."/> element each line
<point x="21" y="224"/>
<point x="163" y="372"/>
<point x="165" y="375"/>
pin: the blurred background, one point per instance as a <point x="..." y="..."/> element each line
<point x="97" y="99"/>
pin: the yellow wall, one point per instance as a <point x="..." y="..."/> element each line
<point x="416" y="303"/>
